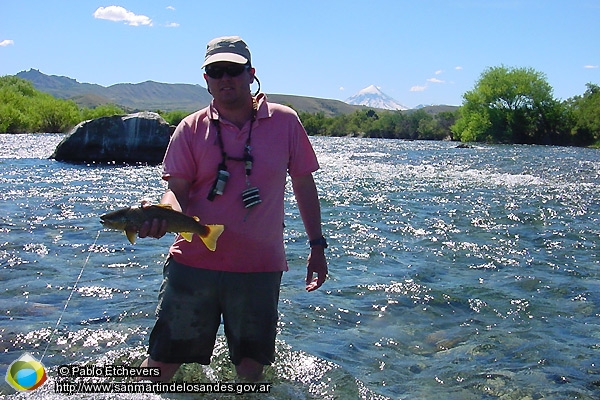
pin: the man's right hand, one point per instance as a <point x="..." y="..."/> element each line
<point x="155" y="228"/>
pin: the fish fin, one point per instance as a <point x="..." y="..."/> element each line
<point x="131" y="235"/>
<point x="210" y="239"/>
<point x="187" y="236"/>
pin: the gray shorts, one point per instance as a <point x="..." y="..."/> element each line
<point x="190" y="305"/>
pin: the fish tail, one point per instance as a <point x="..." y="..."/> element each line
<point x="210" y="239"/>
<point x="187" y="236"/>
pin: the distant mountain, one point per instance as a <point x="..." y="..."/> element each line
<point x="314" y="105"/>
<point x="161" y="96"/>
<point x="373" y="97"/>
<point x="140" y="96"/>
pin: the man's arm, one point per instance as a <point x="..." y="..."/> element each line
<point x="178" y="194"/>
<point x="307" y="197"/>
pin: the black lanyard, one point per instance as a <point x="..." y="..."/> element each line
<point x="247" y="158"/>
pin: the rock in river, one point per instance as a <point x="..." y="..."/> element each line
<point x="134" y="138"/>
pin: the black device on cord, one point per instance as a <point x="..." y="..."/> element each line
<point x="250" y="196"/>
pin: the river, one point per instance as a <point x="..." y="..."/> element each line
<point x="454" y="273"/>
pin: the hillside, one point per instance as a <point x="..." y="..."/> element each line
<point x="140" y="96"/>
<point x="152" y="96"/>
<point x="436" y="109"/>
<point x="314" y="105"/>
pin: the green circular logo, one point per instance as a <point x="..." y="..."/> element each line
<point x="26" y="373"/>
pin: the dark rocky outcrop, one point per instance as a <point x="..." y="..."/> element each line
<point x="135" y="138"/>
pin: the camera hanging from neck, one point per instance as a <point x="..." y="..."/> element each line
<point x="250" y="196"/>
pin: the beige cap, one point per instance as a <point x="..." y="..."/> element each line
<point x="227" y="48"/>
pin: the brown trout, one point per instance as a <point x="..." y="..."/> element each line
<point x="130" y="220"/>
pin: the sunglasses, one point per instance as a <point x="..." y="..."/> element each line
<point x="232" y="70"/>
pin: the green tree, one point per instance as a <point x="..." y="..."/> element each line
<point x="25" y="109"/>
<point x="55" y="115"/>
<point x="103" y="110"/>
<point x="314" y="124"/>
<point x="361" y="121"/>
<point x="444" y="120"/>
<point x="12" y="120"/>
<point x="338" y="126"/>
<point x="16" y="100"/>
<point x="585" y="111"/>
<point x="416" y="125"/>
<point x="473" y="124"/>
<point x="386" y="126"/>
<point x="510" y="105"/>
<point x="174" y="117"/>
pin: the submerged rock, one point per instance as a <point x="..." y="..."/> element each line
<point x="134" y="138"/>
<point x="464" y="146"/>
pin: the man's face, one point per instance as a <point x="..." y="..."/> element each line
<point x="228" y="82"/>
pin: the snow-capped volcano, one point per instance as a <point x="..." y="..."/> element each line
<point x="373" y="97"/>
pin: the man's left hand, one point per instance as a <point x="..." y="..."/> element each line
<point x="316" y="264"/>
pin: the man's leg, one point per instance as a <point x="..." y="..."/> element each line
<point x="249" y="370"/>
<point x="167" y="370"/>
<point x="188" y="318"/>
<point x="250" y="320"/>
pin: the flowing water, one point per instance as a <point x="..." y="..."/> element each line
<point x="454" y="273"/>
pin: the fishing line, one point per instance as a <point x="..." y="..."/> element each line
<point x="70" y="296"/>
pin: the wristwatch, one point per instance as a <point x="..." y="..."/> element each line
<point x="318" y="242"/>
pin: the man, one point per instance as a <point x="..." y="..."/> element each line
<point x="227" y="164"/>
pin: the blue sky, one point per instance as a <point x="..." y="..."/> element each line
<point x="418" y="52"/>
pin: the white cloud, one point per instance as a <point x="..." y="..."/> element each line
<point x="417" y="88"/>
<point x="458" y="68"/>
<point x="118" y="13"/>
<point x="590" y="66"/>
<point x="342" y="88"/>
<point x="439" y="71"/>
<point x="6" y="42"/>
<point x="435" y="80"/>
<point x="172" y="25"/>
<point x="171" y="8"/>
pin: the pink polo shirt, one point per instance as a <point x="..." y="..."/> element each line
<point x="253" y="238"/>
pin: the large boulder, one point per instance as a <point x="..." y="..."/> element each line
<point x="134" y="138"/>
